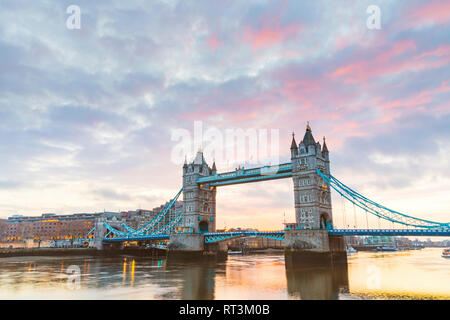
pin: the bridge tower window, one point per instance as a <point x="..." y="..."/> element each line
<point x="203" y="226"/>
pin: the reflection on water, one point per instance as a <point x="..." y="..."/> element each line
<point x="412" y="274"/>
<point x="317" y="283"/>
<point x="421" y="274"/>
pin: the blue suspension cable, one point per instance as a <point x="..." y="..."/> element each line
<point x="144" y="229"/>
<point x="404" y="219"/>
<point x="377" y="209"/>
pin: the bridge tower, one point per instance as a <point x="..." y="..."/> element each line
<point x="312" y="195"/>
<point x="199" y="200"/>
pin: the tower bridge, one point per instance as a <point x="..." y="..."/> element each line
<point x="193" y="230"/>
<point x="312" y="197"/>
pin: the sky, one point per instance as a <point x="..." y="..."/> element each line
<point x="87" y="116"/>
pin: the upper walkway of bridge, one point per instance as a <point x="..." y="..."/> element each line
<point x="242" y="175"/>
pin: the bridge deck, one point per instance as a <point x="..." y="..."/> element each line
<point x="249" y="175"/>
<point x="391" y="232"/>
<point x="138" y="238"/>
<point x="279" y="235"/>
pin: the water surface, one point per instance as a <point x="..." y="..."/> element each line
<point x="422" y="274"/>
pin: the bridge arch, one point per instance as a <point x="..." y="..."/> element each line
<point x="203" y="226"/>
<point x="324" y="220"/>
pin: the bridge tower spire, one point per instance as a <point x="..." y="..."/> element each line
<point x="312" y="196"/>
<point x="294" y="147"/>
<point x="199" y="199"/>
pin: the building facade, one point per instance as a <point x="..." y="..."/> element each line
<point x="199" y="200"/>
<point x="139" y="218"/>
<point x="74" y="229"/>
<point x="312" y="195"/>
<point x="47" y="227"/>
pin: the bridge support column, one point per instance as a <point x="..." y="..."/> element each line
<point x="217" y="249"/>
<point x="99" y="233"/>
<point x="306" y="247"/>
<point x="192" y="246"/>
<point x="186" y="245"/>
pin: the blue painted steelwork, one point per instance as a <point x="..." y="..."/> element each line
<point x="145" y="229"/>
<point x="166" y="228"/>
<point x="279" y="235"/>
<point x="391" y="232"/>
<point x="138" y="238"/>
<point x="377" y="209"/>
<point x="170" y="225"/>
<point x="86" y="237"/>
<point x="92" y="230"/>
<point x="249" y="175"/>
<point x="252" y="179"/>
<point x="428" y="228"/>
<point x="114" y="231"/>
<point x="129" y="229"/>
<point x="220" y="236"/>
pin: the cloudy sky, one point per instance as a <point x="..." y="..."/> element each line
<point x="87" y="116"/>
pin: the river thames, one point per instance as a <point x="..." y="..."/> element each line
<point x="421" y="274"/>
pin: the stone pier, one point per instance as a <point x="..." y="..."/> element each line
<point x="314" y="248"/>
<point x="192" y="246"/>
<point x="99" y="233"/>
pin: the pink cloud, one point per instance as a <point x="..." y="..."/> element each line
<point x="270" y="36"/>
<point x="213" y="42"/>
<point x="417" y="100"/>
<point x="246" y="109"/>
<point x="436" y="11"/>
<point x="346" y="40"/>
<point x="361" y="71"/>
<point x="397" y="49"/>
<point x="440" y="51"/>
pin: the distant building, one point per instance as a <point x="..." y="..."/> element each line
<point x="48" y="226"/>
<point x="139" y="218"/>
<point x="379" y="240"/>
<point x="3" y="227"/>
<point x="67" y="229"/>
<point x="290" y="225"/>
<point x="254" y="244"/>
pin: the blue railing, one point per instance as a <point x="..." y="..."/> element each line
<point x="219" y="236"/>
<point x="138" y="238"/>
<point x="244" y="175"/>
<point x="280" y="235"/>
<point x="391" y="232"/>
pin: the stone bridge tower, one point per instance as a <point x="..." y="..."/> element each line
<point x="199" y="200"/>
<point x="312" y="195"/>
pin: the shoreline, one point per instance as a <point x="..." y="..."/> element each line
<point x="5" y="253"/>
<point x="62" y="252"/>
